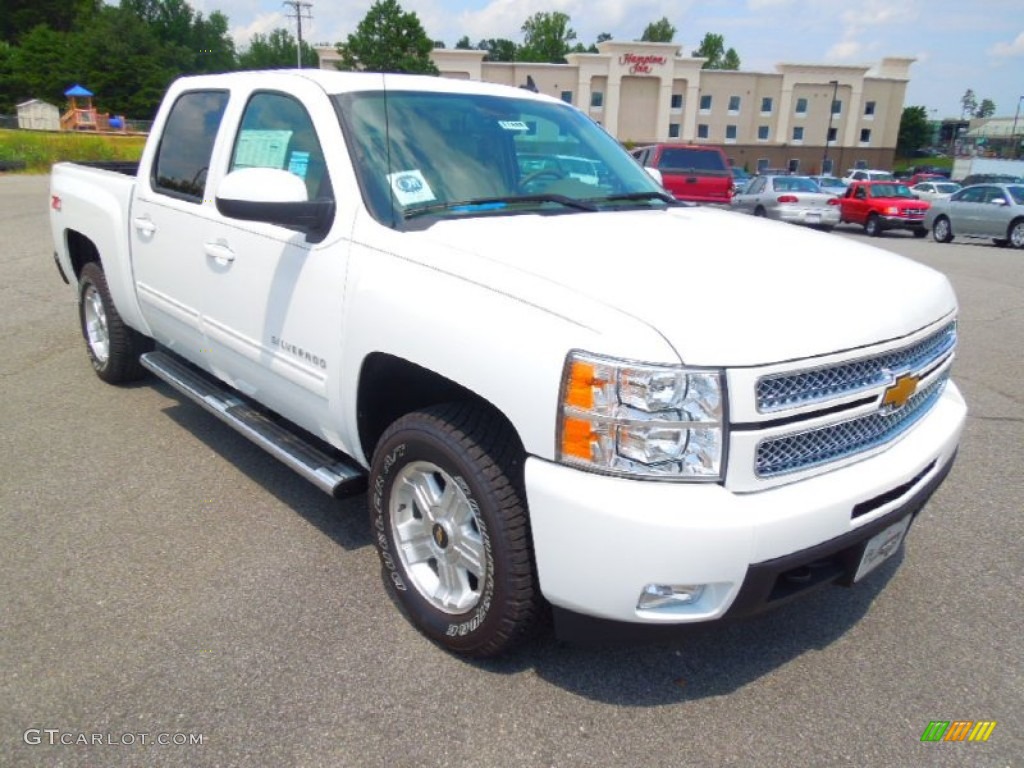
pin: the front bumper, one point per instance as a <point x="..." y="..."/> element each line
<point x="901" y="222"/>
<point x="599" y="540"/>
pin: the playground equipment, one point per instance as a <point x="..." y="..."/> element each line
<point x="83" y="116"/>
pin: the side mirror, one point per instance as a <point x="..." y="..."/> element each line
<point x="273" y="196"/>
<point x="655" y="174"/>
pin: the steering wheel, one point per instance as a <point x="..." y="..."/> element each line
<point x="552" y="173"/>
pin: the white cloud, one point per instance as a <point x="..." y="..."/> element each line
<point x="844" y="50"/>
<point x="1016" y="48"/>
<point x="262" y="24"/>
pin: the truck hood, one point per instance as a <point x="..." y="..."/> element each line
<point x="725" y="289"/>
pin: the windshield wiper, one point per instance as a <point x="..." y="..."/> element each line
<point x="484" y="204"/>
<point x="663" y="196"/>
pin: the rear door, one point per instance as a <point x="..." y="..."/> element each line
<point x="965" y="208"/>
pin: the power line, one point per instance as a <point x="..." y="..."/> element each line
<point x="301" y="10"/>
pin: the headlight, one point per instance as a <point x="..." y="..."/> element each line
<point x="653" y="421"/>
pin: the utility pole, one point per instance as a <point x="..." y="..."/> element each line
<point x="828" y="133"/>
<point x="1013" y="133"/>
<point x="301" y="10"/>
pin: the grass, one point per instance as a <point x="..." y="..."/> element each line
<point x="906" y="163"/>
<point x="38" y="150"/>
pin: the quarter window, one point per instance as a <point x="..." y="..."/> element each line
<point x="276" y="132"/>
<point x="183" y="159"/>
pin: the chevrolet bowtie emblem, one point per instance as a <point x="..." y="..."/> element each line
<point x="901" y="390"/>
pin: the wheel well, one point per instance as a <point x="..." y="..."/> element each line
<point x="1013" y="224"/>
<point x="81" y="249"/>
<point x="390" y="387"/>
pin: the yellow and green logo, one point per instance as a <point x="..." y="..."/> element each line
<point x="958" y="730"/>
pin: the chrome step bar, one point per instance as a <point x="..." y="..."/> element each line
<point x="337" y="475"/>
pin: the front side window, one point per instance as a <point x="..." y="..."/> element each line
<point x="183" y="159"/>
<point x="276" y="132"/>
<point x="421" y="155"/>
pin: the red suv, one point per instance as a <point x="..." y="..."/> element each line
<point x="698" y="174"/>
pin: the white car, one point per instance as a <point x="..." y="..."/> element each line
<point x="867" y="174"/>
<point x="935" y="190"/>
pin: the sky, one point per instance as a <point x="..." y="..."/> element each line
<point x="958" y="44"/>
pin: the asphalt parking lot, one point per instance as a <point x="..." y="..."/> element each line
<point x="161" y="576"/>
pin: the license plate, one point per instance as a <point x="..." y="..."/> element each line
<point x="814" y="218"/>
<point x="881" y="547"/>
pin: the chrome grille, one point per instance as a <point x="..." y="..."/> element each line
<point x="814" y="447"/>
<point x="791" y="390"/>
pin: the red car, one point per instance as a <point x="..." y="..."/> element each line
<point x="882" y="205"/>
<point x="698" y="174"/>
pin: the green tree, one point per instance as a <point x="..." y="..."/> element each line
<point x="968" y="103"/>
<point x="546" y="38"/>
<point x="463" y="44"/>
<point x="277" y="50"/>
<point x="19" y="17"/>
<point x="498" y="49"/>
<point x="987" y="108"/>
<point x="712" y="48"/>
<point x="914" y="130"/>
<point x="660" y="31"/>
<point x="388" y="40"/>
<point x="40" y="67"/>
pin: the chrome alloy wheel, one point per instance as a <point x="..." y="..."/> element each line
<point x="96" y="331"/>
<point x="438" y="537"/>
<point x="1017" y="235"/>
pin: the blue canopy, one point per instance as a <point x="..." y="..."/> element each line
<point x="77" y="90"/>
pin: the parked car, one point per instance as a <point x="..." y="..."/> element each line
<point x="882" y="205"/>
<point x="740" y="178"/>
<point x="560" y="167"/>
<point x="991" y="178"/>
<point x="830" y="184"/>
<point x="867" y="174"/>
<point x="697" y="174"/>
<point x="917" y="178"/>
<point x="796" y="199"/>
<point x="984" y="210"/>
<point x="933" y="190"/>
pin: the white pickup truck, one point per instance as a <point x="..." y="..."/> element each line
<point x="561" y="393"/>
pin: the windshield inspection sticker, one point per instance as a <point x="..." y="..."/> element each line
<point x="513" y="125"/>
<point x="410" y="187"/>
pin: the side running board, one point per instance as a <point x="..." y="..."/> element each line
<point x="337" y="475"/>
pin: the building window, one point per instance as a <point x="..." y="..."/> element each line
<point x="730" y="133"/>
<point x="801" y="106"/>
<point x="798" y="133"/>
<point x="826" y="166"/>
<point x="762" y="164"/>
<point x="860" y="165"/>
<point x="567" y="97"/>
<point x="673" y="130"/>
<point x="705" y="103"/>
<point x="702" y="131"/>
<point x="869" y="109"/>
<point x="794" y="165"/>
<point x="734" y="105"/>
<point x="832" y="133"/>
<point x="865" y="135"/>
<point x="677" y="101"/>
<point x="837" y="106"/>
<point x="762" y="133"/>
<point x="766" y="105"/>
<point x="596" y="99"/>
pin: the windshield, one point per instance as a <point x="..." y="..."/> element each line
<point x="424" y="155"/>
<point x="890" y="190"/>
<point x="947" y="189"/>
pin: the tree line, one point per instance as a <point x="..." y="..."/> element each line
<point x="127" y="54"/>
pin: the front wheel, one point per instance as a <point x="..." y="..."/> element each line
<point x="873" y="227"/>
<point x="113" y="347"/>
<point x="1016" y="234"/>
<point x="449" y="517"/>
<point x="942" y="232"/>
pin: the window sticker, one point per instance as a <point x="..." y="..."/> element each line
<point x="409" y="187"/>
<point x="298" y="163"/>
<point x="514" y="125"/>
<point x="261" y="149"/>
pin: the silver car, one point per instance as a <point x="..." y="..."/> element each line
<point x="982" y="210"/>
<point x="796" y="199"/>
<point x="934" y="190"/>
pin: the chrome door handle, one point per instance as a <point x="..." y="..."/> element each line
<point x="144" y="225"/>
<point x="219" y="252"/>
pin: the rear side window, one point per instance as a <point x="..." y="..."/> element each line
<point x="684" y="158"/>
<point x="183" y="158"/>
